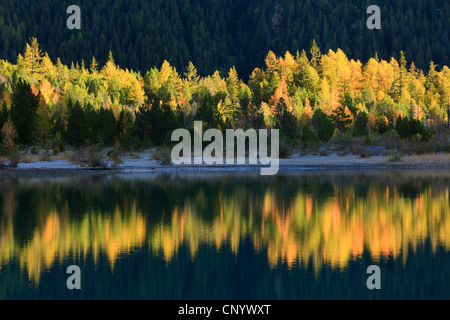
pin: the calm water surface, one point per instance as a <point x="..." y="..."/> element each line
<point x="226" y="236"/>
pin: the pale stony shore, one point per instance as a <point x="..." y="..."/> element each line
<point x="143" y="162"/>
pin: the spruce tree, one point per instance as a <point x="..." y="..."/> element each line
<point x="361" y="123"/>
<point x="23" y="111"/>
<point x="125" y="122"/>
<point x="77" y="125"/>
<point x="323" y="125"/>
<point x="108" y="131"/>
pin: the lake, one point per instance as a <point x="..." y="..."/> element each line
<point x="297" y="235"/>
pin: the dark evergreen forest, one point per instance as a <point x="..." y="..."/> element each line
<point x="219" y="34"/>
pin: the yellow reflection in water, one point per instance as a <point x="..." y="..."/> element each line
<point x="303" y="230"/>
<point x="60" y="238"/>
<point x="294" y="231"/>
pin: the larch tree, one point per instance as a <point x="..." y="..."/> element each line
<point x="315" y="56"/>
<point x="94" y="65"/>
<point x="8" y="134"/>
<point x="232" y="108"/>
<point x="44" y="123"/>
<point x="192" y="77"/>
<point x="33" y="59"/>
<point x="281" y="94"/>
<point x="400" y="81"/>
<point x="272" y="63"/>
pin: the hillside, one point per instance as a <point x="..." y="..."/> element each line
<point x="219" y="34"/>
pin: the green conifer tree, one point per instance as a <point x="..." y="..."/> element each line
<point x="23" y="111"/>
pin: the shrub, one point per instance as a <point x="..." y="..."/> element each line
<point x="163" y="155"/>
<point x="14" y="157"/>
<point x="354" y="149"/>
<point x="90" y="157"/>
<point x="115" y="157"/>
<point x="283" y="151"/>
<point x="308" y="135"/>
<point x="79" y="156"/>
<point x="96" y="160"/>
<point x="364" y="153"/>
<point x="412" y="129"/>
<point x="61" y="146"/>
<point x="395" y="156"/>
<point x="389" y="140"/>
<point x="45" y="156"/>
<point x="341" y="139"/>
<point x="126" y="142"/>
<point x="368" y="140"/>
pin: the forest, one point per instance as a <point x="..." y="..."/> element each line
<point x="219" y="34"/>
<point x="310" y="96"/>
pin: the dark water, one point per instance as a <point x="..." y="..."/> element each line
<point x="228" y="236"/>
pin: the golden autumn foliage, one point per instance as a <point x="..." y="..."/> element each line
<point x="293" y="231"/>
<point x="8" y="134"/>
<point x="299" y="85"/>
